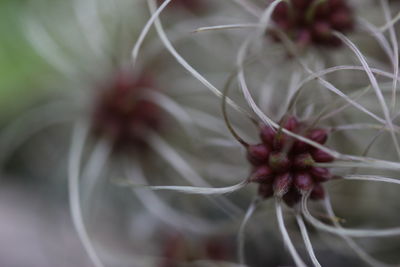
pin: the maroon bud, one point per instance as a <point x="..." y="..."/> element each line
<point x="341" y="20"/>
<point x="303" y="38"/>
<point x="281" y="10"/>
<point x="262" y="174"/>
<point x="322" y="30"/>
<point x="282" y="184"/>
<point x="265" y="190"/>
<point x="267" y="135"/>
<point x="320" y="174"/>
<point x="279" y="162"/>
<point x="303" y="161"/>
<point x="258" y="154"/>
<point x="318" y="135"/>
<point x="303" y="181"/>
<point x="300" y="147"/>
<point x="321" y="156"/>
<point x="300" y="3"/>
<point x="292" y="197"/>
<point x="290" y="123"/>
<point x="317" y="193"/>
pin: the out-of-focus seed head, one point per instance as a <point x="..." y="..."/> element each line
<point x="121" y="112"/>
<point x="312" y="22"/>
<point x="179" y="250"/>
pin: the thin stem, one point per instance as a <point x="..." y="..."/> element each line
<point x="307" y="242"/>
<point x="286" y="238"/>
<point x="78" y="141"/>
<point x="241" y="233"/>
<point x="224" y="112"/>
<point x="344" y="231"/>
<point x="350" y="242"/>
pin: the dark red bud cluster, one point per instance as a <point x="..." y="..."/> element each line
<point x="285" y="167"/>
<point x="313" y="21"/>
<point x="122" y="113"/>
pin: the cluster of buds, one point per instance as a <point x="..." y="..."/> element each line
<point x="313" y="21"/>
<point x="122" y="112"/>
<point x="285" y="167"/>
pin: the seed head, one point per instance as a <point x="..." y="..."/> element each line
<point x="309" y="22"/>
<point x="288" y="169"/>
<point x="122" y="113"/>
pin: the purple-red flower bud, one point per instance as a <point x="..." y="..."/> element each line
<point x="321" y="156"/>
<point x="303" y="181"/>
<point x="318" y="135"/>
<point x="303" y="161"/>
<point x="322" y="30"/>
<point x="300" y="147"/>
<point x="267" y="135"/>
<point x="341" y="20"/>
<point x="262" y="174"/>
<point x="320" y="174"/>
<point x="303" y="38"/>
<point x="258" y="154"/>
<point x="282" y="184"/>
<point x="291" y="123"/>
<point x="279" y="162"/>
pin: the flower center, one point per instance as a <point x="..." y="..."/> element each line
<point x="123" y="113"/>
<point x="285" y="167"/>
<point x="309" y="22"/>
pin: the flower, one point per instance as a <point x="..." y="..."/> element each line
<point x="284" y="167"/>
<point x="313" y="22"/>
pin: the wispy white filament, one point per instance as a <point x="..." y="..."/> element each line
<point x="344" y="231"/>
<point x="241" y="232"/>
<point x="307" y="242"/>
<point x="183" y="62"/>
<point x="350" y="242"/>
<point x="78" y="141"/>
<point x="202" y="190"/>
<point x="390" y="23"/>
<point x="395" y="47"/>
<point x="285" y="235"/>
<point x="159" y="208"/>
<point x="145" y="30"/>
<point x="374" y="84"/>
<point x="226" y="27"/>
<point x="96" y="165"/>
<point x="170" y="155"/>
